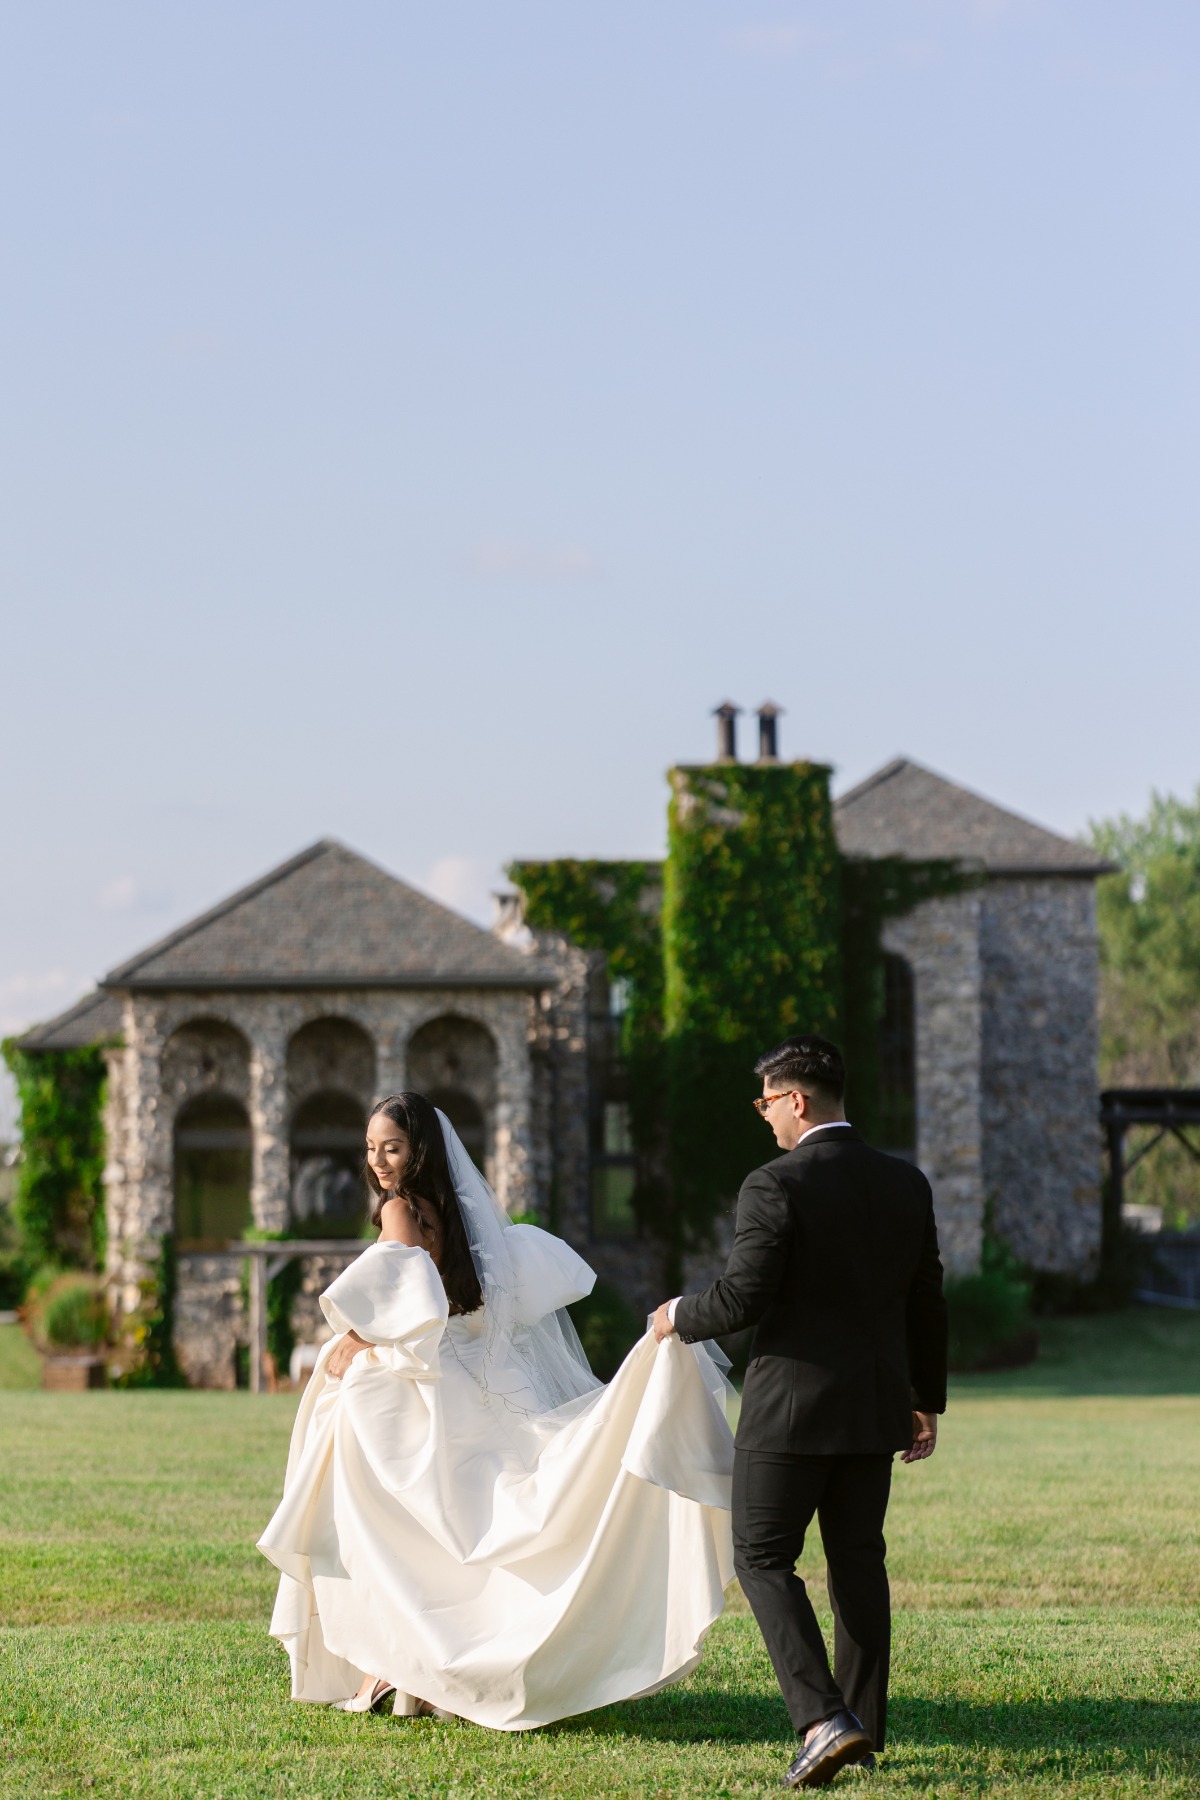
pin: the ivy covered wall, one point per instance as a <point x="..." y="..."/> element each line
<point x="751" y="954"/>
<point x="755" y="928"/>
<point x="59" y="1206"/>
<point x="731" y="945"/>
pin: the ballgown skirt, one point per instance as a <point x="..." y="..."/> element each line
<point x="505" y="1563"/>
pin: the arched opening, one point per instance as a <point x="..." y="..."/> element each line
<point x="328" y="1194"/>
<point x="212" y="1172"/>
<point x="330" y="1055"/>
<point x="452" y="1061"/>
<point x="205" y="1056"/>
<point x="466" y="1116"/>
<point x="898" y="1059"/>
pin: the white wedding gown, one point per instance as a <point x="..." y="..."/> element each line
<point x="510" y="1564"/>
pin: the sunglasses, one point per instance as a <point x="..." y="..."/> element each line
<point x="760" y="1105"/>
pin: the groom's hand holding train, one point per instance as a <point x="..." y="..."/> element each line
<point x="835" y="1261"/>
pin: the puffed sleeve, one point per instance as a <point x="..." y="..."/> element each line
<point x="547" y="1273"/>
<point x="392" y="1296"/>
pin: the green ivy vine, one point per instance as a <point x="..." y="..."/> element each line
<point x="743" y="949"/>
<point x="751" y="949"/>
<point x="764" y="930"/>
<point x="59" y="1204"/>
<point x="282" y="1289"/>
<point x="147" y="1336"/>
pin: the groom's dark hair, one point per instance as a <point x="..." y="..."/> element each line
<point x="812" y="1064"/>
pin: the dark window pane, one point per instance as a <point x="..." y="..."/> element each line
<point x="613" y="1187"/>
<point x="328" y="1143"/>
<point x="898" y="1059"/>
<point x="212" y="1172"/>
<point x="618" y="1128"/>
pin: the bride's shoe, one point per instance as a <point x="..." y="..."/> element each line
<point x="371" y="1701"/>
<point x="424" y="1709"/>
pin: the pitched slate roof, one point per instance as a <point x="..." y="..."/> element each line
<point x="327" y="918"/>
<point x="906" y="810"/>
<point x="96" y="1019"/>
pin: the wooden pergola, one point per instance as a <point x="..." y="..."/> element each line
<point x="1163" y="1111"/>
<point x="266" y="1260"/>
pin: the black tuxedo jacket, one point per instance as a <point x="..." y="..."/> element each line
<point x="835" y="1260"/>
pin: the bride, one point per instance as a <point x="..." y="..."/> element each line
<point x="471" y="1522"/>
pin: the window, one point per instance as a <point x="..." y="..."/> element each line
<point x="212" y="1172"/>
<point x="614" y="1178"/>
<point x="614" y="1169"/>
<point x="898" y="1060"/>
<point x="453" y="1062"/>
<point x="329" y="1195"/>
<point x="613" y="1186"/>
<point x="618" y="1128"/>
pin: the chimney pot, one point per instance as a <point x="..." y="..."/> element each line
<point x="726" y="717"/>
<point x="768" y="742"/>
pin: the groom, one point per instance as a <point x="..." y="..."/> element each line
<point x="835" y="1260"/>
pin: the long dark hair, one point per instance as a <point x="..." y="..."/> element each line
<point x="427" y="1177"/>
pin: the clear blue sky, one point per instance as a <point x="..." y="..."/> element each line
<point x="416" y="418"/>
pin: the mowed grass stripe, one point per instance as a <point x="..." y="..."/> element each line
<point x="1024" y="1703"/>
<point x="1045" y="1567"/>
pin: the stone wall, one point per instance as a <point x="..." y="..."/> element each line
<point x="940" y="941"/>
<point x="559" y="1070"/>
<point x="165" y="1059"/>
<point x="330" y="1053"/>
<point x="210" y="1319"/>
<point x="1041" y="1134"/>
<point x="308" y="1321"/>
<point x="561" y="1058"/>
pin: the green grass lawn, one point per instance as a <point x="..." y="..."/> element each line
<point x="1045" y="1566"/>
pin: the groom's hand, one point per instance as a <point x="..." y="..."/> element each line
<point x="924" y="1438"/>
<point x="663" y="1327"/>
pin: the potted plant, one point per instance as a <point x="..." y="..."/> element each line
<point x="68" y="1321"/>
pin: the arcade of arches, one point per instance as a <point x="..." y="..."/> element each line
<point x="256" y="1136"/>
<point x="452" y="1061"/>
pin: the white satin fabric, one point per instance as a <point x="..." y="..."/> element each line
<point x="508" y="1564"/>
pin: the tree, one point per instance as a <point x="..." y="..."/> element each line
<point x="1149" y="923"/>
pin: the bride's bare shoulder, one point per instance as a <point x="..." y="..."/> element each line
<point x="397" y="1224"/>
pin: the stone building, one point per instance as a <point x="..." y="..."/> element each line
<point x="247" y="1046"/>
<point x="992" y="1000"/>
<point x="989" y="1051"/>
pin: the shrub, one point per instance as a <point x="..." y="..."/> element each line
<point x="38" y="1285"/>
<point x="608" y="1329"/>
<point x="991" y="1326"/>
<point x="14" y="1279"/>
<point x="66" y="1310"/>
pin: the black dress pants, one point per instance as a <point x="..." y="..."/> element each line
<point x="774" y="1499"/>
